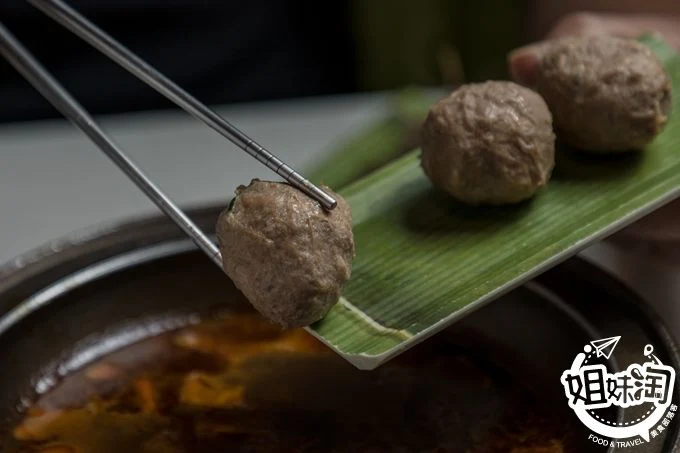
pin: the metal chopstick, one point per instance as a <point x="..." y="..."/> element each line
<point x="81" y="26"/>
<point x="19" y="57"/>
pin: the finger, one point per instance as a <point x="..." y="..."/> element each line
<point x="623" y="25"/>
<point x="523" y="63"/>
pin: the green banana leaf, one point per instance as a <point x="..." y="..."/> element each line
<point x="378" y="143"/>
<point x="424" y="261"/>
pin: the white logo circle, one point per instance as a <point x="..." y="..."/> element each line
<point x="590" y="388"/>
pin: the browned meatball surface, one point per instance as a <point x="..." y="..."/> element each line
<point x="489" y="143"/>
<point x="605" y="93"/>
<point x="285" y="253"/>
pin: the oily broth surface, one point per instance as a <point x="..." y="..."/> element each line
<point x="241" y="385"/>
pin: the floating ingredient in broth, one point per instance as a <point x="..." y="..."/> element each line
<point x="202" y="389"/>
<point x="237" y="338"/>
<point x="285" y="253"/>
<point x="489" y="143"/>
<point x="606" y="93"/>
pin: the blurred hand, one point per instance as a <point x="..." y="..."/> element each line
<point x="663" y="224"/>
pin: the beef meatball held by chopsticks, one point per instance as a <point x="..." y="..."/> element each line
<point x="285" y="253"/>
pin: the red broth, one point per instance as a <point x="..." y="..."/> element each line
<point x="241" y="385"/>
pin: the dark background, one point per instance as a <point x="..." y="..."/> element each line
<point x="219" y="51"/>
<point x="224" y="51"/>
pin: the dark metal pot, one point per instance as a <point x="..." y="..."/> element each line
<point x="84" y="296"/>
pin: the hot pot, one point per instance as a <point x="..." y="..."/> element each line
<point x="66" y="305"/>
